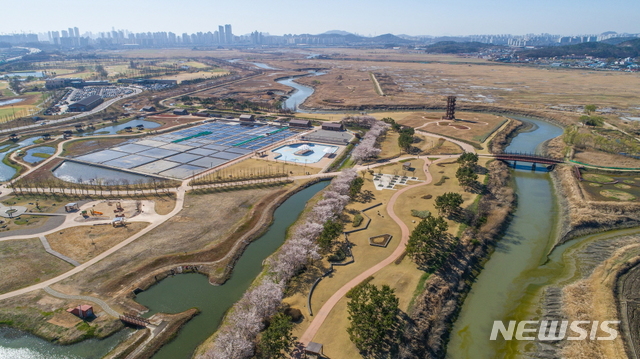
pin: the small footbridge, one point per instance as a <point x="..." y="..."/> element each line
<point x="533" y="158"/>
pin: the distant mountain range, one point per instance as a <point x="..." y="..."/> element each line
<point x="623" y="49"/>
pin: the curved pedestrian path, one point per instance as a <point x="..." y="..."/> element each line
<point x="86" y="298"/>
<point x="323" y="313"/>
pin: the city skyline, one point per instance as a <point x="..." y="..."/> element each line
<point x="370" y="18"/>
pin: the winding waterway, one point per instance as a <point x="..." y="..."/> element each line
<point x="504" y="283"/>
<point x="507" y="289"/>
<point x="179" y="293"/>
<point x="300" y="94"/>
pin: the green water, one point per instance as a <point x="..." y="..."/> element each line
<point x="15" y="344"/>
<point x="504" y="284"/>
<point x="181" y="292"/>
<point x="174" y="295"/>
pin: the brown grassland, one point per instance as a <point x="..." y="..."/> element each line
<point x="25" y="262"/>
<point x="85" y="242"/>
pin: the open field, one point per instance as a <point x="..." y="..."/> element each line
<point x="25" y="262"/>
<point x="600" y="158"/>
<point x="200" y="225"/>
<point x="395" y="55"/>
<point x="194" y="75"/>
<point x="4" y="89"/>
<point x="20" y="109"/>
<point x="423" y="145"/>
<point x="348" y="85"/>
<point x="257" y="89"/>
<point x="475" y="127"/>
<point x="403" y="277"/>
<point x="256" y="165"/>
<point x="85" y="242"/>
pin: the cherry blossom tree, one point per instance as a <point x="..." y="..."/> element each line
<point x="237" y="337"/>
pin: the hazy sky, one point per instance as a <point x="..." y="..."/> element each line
<point x="365" y="17"/>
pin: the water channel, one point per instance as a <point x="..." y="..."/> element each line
<point x="505" y="282"/>
<point x="114" y="129"/>
<point x="6" y="171"/>
<point x="179" y="293"/>
<point x="301" y="92"/>
<point x="508" y="288"/>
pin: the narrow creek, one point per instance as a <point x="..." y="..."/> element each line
<point x="508" y="288"/>
<point x="514" y="283"/>
<point x="181" y="292"/>
<point x="176" y="294"/>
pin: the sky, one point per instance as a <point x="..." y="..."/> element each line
<point x="363" y="17"/>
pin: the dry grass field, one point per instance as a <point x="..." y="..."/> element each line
<point x="85" y="242"/>
<point x="599" y="158"/>
<point x="403" y="278"/>
<point x="200" y="225"/>
<point x="256" y="165"/>
<point x="194" y="75"/>
<point x="257" y="89"/>
<point x="24" y="262"/>
<point x="20" y="109"/>
<point x="475" y="127"/>
<point x="486" y="84"/>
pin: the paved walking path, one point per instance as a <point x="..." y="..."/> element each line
<point x="323" y="313"/>
<point x="48" y="249"/>
<point x="97" y="301"/>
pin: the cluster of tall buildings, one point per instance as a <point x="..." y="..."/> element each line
<point x="71" y="38"/>
<point x="68" y="38"/>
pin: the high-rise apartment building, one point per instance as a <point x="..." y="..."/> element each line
<point x="228" y="34"/>
<point x="221" y="38"/>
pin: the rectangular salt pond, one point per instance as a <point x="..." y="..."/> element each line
<point x="220" y="142"/>
<point x="287" y="153"/>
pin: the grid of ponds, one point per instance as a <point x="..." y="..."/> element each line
<point x="186" y="152"/>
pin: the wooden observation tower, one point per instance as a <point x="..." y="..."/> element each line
<point x="451" y="109"/>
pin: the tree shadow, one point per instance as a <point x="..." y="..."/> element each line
<point x="365" y="196"/>
<point x="302" y="282"/>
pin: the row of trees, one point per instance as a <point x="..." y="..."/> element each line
<point x="236" y="338"/>
<point x="53" y="185"/>
<point x="368" y="149"/>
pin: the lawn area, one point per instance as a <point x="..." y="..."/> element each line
<point x="193" y="75"/>
<point x="82" y="75"/>
<point x="85" y="242"/>
<point x="196" y="64"/>
<point x="4" y="89"/>
<point x="256" y="165"/>
<point x="24" y="262"/>
<point x="404" y="277"/>
<point x="475" y="127"/>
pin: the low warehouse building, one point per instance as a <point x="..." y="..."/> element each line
<point x="300" y="123"/>
<point x="332" y="126"/>
<point x="86" y="104"/>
